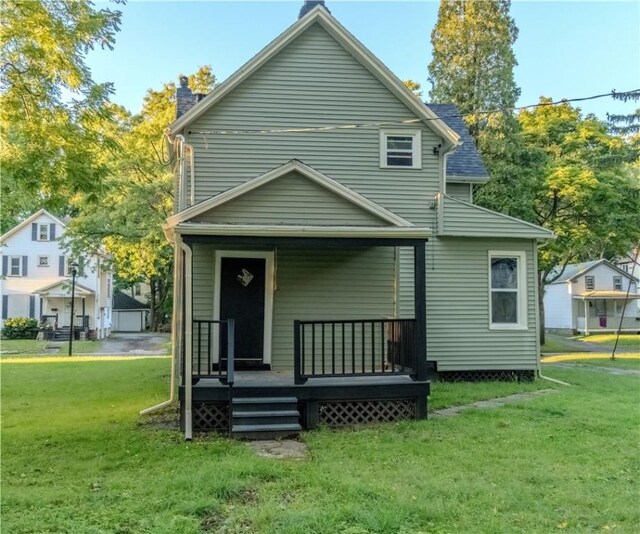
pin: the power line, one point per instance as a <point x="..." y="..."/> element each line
<point x="632" y="93"/>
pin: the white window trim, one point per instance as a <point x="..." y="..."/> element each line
<point x="41" y="265"/>
<point x="11" y="258"/>
<point x="522" y="323"/>
<point x="416" y="148"/>
<point x="269" y="287"/>
<point x="617" y="277"/>
<point x="586" y="283"/>
<point x="40" y="226"/>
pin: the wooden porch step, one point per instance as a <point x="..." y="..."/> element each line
<point x="265" y="417"/>
<point x="270" y="417"/>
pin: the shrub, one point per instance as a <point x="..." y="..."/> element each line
<point x="20" y="328"/>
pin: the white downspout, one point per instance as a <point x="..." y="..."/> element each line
<point x="538" y="325"/>
<point x="175" y="328"/>
<point x="188" y="341"/>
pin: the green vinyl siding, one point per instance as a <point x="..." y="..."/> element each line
<point x="322" y="284"/>
<point x="292" y="199"/>
<point x="313" y="82"/>
<point x="460" y="191"/>
<point x="458" y="330"/>
<point x="466" y="220"/>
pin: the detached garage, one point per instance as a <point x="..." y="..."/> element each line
<point x="129" y="314"/>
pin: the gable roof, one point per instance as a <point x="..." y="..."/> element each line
<point x="122" y="301"/>
<point x="321" y="16"/>
<point x="576" y="270"/>
<point x="29" y="220"/>
<point x="465" y="164"/>
<point x="80" y="290"/>
<point x="303" y="170"/>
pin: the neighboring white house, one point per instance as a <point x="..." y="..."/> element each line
<point x="592" y="297"/>
<point x="630" y="263"/>
<point x="36" y="281"/>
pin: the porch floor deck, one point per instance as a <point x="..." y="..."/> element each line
<point x="350" y="399"/>
<point x="285" y="379"/>
<point x="281" y="383"/>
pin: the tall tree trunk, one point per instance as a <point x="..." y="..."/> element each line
<point x="541" y="307"/>
<point x="152" y="303"/>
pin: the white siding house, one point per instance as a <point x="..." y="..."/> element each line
<point x="36" y="281"/>
<point x="593" y="297"/>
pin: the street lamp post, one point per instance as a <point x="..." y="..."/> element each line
<point x="74" y="272"/>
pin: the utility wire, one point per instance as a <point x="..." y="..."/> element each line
<point x="632" y="93"/>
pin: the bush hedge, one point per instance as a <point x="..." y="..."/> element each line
<point x="20" y="328"/>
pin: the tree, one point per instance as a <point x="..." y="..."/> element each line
<point x="625" y="124"/>
<point x="473" y="61"/>
<point x="583" y="188"/>
<point x="137" y="198"/>
<point x="413" y="86"/>
<point x="472" y="67"/>
<point x="52" y="115"/>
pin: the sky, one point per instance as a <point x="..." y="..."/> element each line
<point x="565" y="49"/>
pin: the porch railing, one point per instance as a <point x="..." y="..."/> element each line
<point x="370" y="347"/>
<point x="213" y="350"/>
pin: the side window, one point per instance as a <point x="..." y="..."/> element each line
<point x="507" y="290"/>
<point x="401" y="149"/>
<point x="590" y="282"/>
<point x="617" y="283"/>
<point x="43" y="232"/>
<point x="15" y="266"/>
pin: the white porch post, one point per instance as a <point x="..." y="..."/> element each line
<point x="586" y="317"/>
<point x="188" y="341"/>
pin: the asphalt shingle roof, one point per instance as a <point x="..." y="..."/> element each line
<point x="465" y="162"/>
<point x="122" y="301"/>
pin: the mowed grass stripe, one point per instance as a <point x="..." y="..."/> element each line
<point x="78" y="458"/>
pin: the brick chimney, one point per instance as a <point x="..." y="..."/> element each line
<point x="309" y="5"/>
<point x="186" y="98"/>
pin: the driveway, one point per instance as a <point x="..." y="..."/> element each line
<point x="135" y="344"/>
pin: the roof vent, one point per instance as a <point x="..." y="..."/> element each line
<point x="309" y="5"/>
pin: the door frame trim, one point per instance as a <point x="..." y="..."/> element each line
<point x="268" y="256"/>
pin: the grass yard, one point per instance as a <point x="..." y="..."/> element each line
<point x="619" y="363"/>
<point x="557" y="345"/>
<point x="32" y="347"/>
<point x="626" y="341"/>
<point x="77" y="458"/>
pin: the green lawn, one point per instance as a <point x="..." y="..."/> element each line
<point x="618" y="363"/>
<point x="557" y="345"/>
<point x="626" y="341"/>
<point x="77" y="458"/>
<point x="32" y="347"/>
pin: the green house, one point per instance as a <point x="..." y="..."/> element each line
<point x="328" y="256"/>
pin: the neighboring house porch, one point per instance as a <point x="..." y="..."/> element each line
<point x="598" y="312"/>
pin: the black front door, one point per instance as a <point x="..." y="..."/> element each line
<point x="242" y="288"/>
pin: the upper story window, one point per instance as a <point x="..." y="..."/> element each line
<point x="400" y="149"/>
<point x="507" y="288"/>
<point x="617" y="283"/>
<point x="590" y="282"/>
<point x="15" y="266"/>
<point x="43" y="232"/>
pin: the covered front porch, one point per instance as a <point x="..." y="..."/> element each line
<point x="295" y="277"/>
<point x="328" y="348"/>
<point x="605" y="311"/>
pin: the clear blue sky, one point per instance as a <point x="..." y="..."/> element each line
<point x="564" y="49"/>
